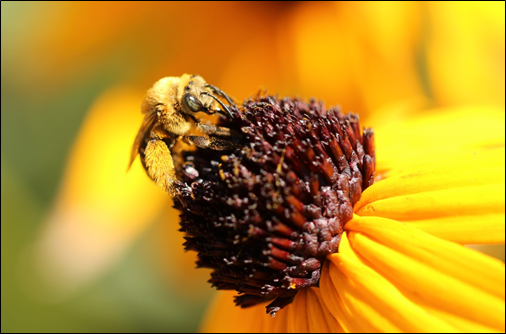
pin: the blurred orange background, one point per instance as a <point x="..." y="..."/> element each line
<point x="87" y="247"/>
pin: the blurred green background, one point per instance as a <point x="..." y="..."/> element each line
<point x="59" y="58"/>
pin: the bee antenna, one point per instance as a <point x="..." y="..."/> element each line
<point x="221" y="93"/>
<point x="219" y="101"/>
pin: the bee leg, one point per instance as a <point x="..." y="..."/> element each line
<point x="159" y="164"/>
<point x="216" y="130"/>
<point x="221" y="93"/>
<point x="226" y="111"/>
<point x="209" y="142"/>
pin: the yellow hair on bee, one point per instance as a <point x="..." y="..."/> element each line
<point x="160" y="166"/>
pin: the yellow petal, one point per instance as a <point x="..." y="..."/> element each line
<point x="101" y="208"/>
<point x="437" y="274"/>
<point x="224" y="317"/>
<point x="465" y="229"/>
<point x="480" y="169"/>
<point x="443" y="135"/>
<point x="297" y="314"/>
<point x="465" y="51"/>
<point x="452" y="200"/>
<point x="376" y="304"/>
<point x="319" y="317"/>
<point x="450" y="203"/>
<point x="307" y="313"/>
<point x="279" y="324"/>
<point x="367" y="65"/>
<point x="433" y="204"/>
<point x="337" y="306"/>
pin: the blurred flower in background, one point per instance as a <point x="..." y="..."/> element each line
<point x="89" y="247"/>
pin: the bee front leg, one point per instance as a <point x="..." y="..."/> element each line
<point x="216" y="130"/>
<point x="159" y="164"/>
<point x="209" y="142"/>
<point x="225" y="112"/>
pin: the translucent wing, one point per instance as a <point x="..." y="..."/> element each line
<point x="147" y="124"/>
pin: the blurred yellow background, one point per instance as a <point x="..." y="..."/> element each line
<point x="89" y="248"/>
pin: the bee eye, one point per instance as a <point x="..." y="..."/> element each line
<point x="192" y="103"/>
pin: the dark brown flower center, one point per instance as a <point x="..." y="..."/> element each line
<point x="265" y="215"/>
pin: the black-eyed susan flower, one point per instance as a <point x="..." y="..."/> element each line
<point x="342" y="52"/>
<point x="399" y="264"/>
<point x="265" y="215"/>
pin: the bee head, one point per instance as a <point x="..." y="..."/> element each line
<point x="191" y="104"/>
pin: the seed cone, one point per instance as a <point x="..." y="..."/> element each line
<point x="265" y="215"/>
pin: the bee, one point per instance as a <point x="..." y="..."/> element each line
<point x="169" y="109"/>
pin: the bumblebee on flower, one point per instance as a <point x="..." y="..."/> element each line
<point x="273" y="215"/>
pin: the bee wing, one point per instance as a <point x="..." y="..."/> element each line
<point x="147" y="125"/>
